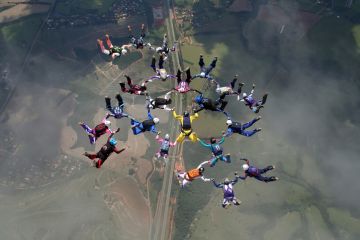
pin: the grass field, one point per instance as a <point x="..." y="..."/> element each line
<point x="83" y="6"/>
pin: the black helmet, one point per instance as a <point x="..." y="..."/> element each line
<point x="186" y="114"/>
<point x="212" y="140"/>
<point x="201" y="170"/>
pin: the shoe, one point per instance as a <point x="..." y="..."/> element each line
<point x="86" y="154"/>
<point x="258" y="129"/>
<point x="258" y="118"/>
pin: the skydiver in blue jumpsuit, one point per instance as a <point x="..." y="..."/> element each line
<point x="144" y="126"/>
<point x="236" y="127"/>
<point x="205" y="71"/>
<point x="251" y="171"/>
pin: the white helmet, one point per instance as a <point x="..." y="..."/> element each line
<point x="228" y="122"/>
<point x="107" y="123"/>
<point x="163" y="74"/>
<point x="245" y="167"/>
<point x="167" y="136"/>
<point x="156" y="120"/>
<point x="158" y="49"/>
<point x="202" y="74"/>
<point x="123" y="51"/>
<point x="244" y="94"/>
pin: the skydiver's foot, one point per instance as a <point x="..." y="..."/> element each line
<point x="81" y="123"/>
<point x="258" y="118"/>
<point x="273" y="167"/>
<point x="99" y="41"/>
<point x="215" y="58"/>
<point x="142" y="26"/>
<point x="258" y="108"/>
<point x="273" y="179"/>
<point x="258" y="129"/>
<point x="237" y="203"/>
<point x="86" y="154"/>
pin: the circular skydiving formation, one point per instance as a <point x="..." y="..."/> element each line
<point x="184" y="78"/>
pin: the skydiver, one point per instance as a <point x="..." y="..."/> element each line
<point x="251" y="171"/>
<point x="183" y="86"/>
<point x="229" y="90"/>
<point x="165" y="145"/>
<point x="205" y="71"/>
<point x="160" y="71"/>
<point x="164" y="50"/>
<point x="208" y="104"/>
<point x="229" y="195"/>
<point x="186" y="130"/>
<point x="144" y="126"/>
<point x="108" y="148"/>
<point x="137" y="89"/>
<point x="116" y="111"/>
<point x="114" y="51"/>
<point x="216" y="150"/>
<point x="138" y="43"/>
<point x="252" y="103"/>
<point x="98" y="130"/>
<point x="236" y="127"/>
<point x="187" y="177"/>
<point x="159" y="102"/>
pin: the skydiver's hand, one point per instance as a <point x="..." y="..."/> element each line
<point x="172" y="109"/>
<point x="212" y="179"/>
<point x="253" y="85"/>
<point x="223" y="133"/>
<point x="117" y="130"/>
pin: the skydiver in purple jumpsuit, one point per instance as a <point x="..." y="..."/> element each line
<point x="252" y="103"/>
<point x="251" y="171"/>
<point x="229" y="195"/>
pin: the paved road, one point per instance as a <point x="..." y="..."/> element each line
<point x="161" y="224"/>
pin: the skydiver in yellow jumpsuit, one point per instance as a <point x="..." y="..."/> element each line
<point x="186" y="130"/>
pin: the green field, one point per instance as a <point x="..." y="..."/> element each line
<point x="84" y="6"/>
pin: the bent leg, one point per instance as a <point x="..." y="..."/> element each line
<point x="178" y="76"/>
<point x="264" y="170"/>
<point x="180" y="138"/>
<point x="120" y="100"/>
<point x="86" y="128"/>
<point x="103" y="50"/>
<point x="193" y="137"/>
<point x="188" y="75"/>
<point x="153" y="63"/>
<point x="122" y="86"/>
<point x="232" y="84"/>
<point x="248" y="133"/>
<point x="108" y="42"/>
<point x="108" y="103"/>
<point x="161" y="62"/>
<point x="263" y="101"/>
<point x="249" y="124"/>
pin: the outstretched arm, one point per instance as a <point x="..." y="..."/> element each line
<point x="246" y="160"/>
<point x="233" y="182"/>
<point x="204" y="143"/>
<point x="178" y="117"/>
<point x="119" y="151"/>
<point x="194" y="117"/>
<point x="218" y="185"/>
<point x="222" y="140"/>
<point x="228" y="133"/>
<point x="202" y="164"/>
<point x="149" y="114"/>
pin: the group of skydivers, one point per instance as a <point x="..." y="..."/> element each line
<point x="185" y="119"/>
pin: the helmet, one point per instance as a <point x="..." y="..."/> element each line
<point x="186" y="114"/>
<point x="156" y="120"/>
<point x="198" y="99"/>
<point x="163" y="74"/>
<point x="158" y="49"/>
<point x="228" y="122"/>
<point x="107" y="123"/>
<point x="113" y="141"/>
<point x="202" y="74"/>
<point x="226" y="181"/>
<point x="167" y="137"/>
<point x="123" y="51"/>
<point x="244" y="94"/>
<point x="201" y="170"/>
<point x="212" y="140"/>
<point x="245" y="167"/>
